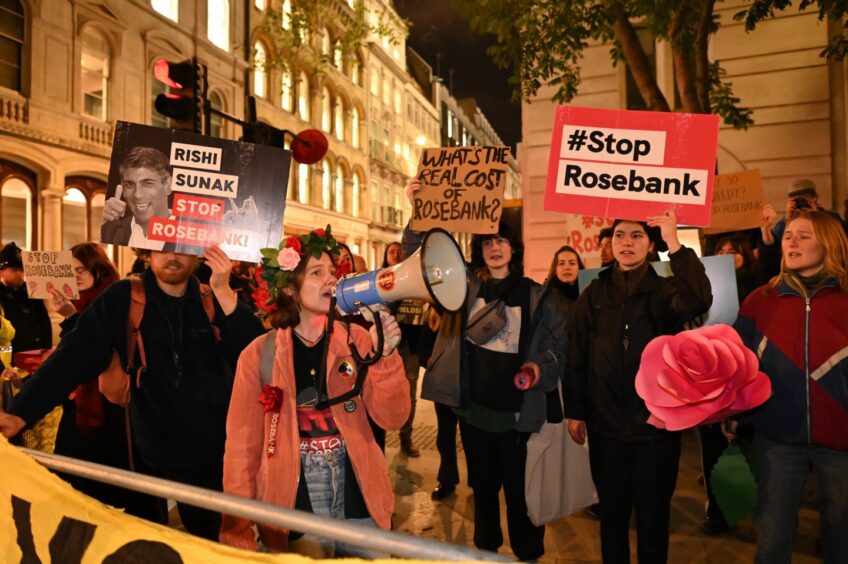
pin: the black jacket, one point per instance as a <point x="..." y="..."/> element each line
<point x="178" y="415"/>
<point x="600" y="385"/>
<point x="28" y="317"/>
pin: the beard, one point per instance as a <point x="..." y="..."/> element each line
<point x="173" y="276"/>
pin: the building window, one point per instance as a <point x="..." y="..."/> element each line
<point x="303" y="97"/>
<point x="375" y="82"/>
<point x="11" y="44"/>
<point x="286" y="91"/>
<point x="387" y="93"/>
<point x="259" y="5"/>
<point x="74" y="228"/>
<point x="259" y="75"/>
<point x="96" y="212"/>
<point x="216" y="122"/>
<point x="326" y="110"/>
<point x="398" y="100"/>
<point x="375" y="201"/>
<point x="338" y="192"/>
<point x="218" y="23"/>
<point x="94" y="66"/>
<point x="157" y="119"/>
<point x="327" y="44"/>
<point x="354" y="128"/>
<point x="303" y="183"/>
<point x="16" y="215"/>
<point x="286" y="14"/>
<point x="339" y="115"/>
<point x="325" y="185"/>
<point x="168" y="8"/>
<point x="355" y="69"/>
<point x="354" y="195"/>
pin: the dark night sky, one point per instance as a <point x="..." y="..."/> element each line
<point x="438" y="29"/>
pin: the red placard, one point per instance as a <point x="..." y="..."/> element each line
<point x="631" y="165"/>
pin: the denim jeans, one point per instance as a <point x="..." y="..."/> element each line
<point x="325" y="481"/>
<point x="783" y="471"/>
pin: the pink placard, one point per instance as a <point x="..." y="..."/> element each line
<point x="631" y="165"/>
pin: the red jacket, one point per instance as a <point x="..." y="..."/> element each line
<point x="802" y="345"/>
<point x="251" y="473"/>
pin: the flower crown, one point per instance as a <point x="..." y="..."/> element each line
<point x="275" y="271"/>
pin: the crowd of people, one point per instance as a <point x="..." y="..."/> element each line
<point x="241" y="379"/>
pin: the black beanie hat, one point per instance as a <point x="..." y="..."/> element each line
<point x="654" y="234"/>
<point x="10" y="256"/>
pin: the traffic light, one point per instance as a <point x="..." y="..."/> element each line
<point x="185" y="100"/>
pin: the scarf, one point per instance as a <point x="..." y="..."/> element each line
<point x="87" y="398"/>
<point x="570" y="290"/>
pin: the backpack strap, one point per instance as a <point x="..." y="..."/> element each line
<point x="269" y="350"/>
<point x="138" y="299"/>
<point x="208" y="300"/>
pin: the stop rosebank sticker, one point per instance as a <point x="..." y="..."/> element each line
<point x="631" y="165"/>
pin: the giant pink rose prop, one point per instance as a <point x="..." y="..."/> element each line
<point x="699" y="377"/>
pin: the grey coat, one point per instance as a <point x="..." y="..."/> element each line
<point x="447" y="369"/>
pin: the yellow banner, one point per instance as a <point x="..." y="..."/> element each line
<point x="43" y="519"/>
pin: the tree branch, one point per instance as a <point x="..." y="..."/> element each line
<point x="636" y="59"/>
<point x="682" y="72"/>
<point x="702" y="62"/>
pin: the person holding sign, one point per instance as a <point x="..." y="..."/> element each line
<point x="144" y="190"/>
<point x="494" y="362"/>
<point x="29" y="317"/>
<point x="796" y="325"/>
<point x="633" y="463"/>
<point x="283" y="446"/>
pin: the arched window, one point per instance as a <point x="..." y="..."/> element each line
<point x="286" y="91"/>
<point x="327" y="44"/>
<point x="338" y="56"/>
<point x="74" y="216"/>
<point x="398" y="100"/>
<point x="354" y="128"/>
<point x="303" y="183"/>
<point x="168" y="8"/>
<point x="16" y="216"/>
<point x="375" y="82"/>
<point x="325" y="184"/>
<point x="216" y="122"/>
<point x="286" y="14"/>
<point x="340" y="123"/>
<point x="355" y="69"/>
<point x="303" y="97"/>
<point x="94" y="74"/>
<point x="259" y="75"/>
<point x="338" y="191"/>
<point x="12" y="45"/>
<point x="218" y="23"/>
<point x="326" y="110"/>
<point x="354" y="195"/>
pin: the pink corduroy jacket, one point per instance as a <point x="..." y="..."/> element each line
<point x="250" y="472"/>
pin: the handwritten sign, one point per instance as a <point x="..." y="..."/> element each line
<point x="461" y="189"/>
<point x="738" y="198"/>
<point x="47" y="270"/>
<point x="632" y="165"/>
<point x="172" y="190"/>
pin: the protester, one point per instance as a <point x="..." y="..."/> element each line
<point x="29" y="317"/>
<point x="633" y="463"/>
<point x="744" y="262"/>
<point x="408" y="348"/>
<point x="802" y="196"/>
<point x="796" y="325"/>
<point x="605" y="245"/>
<point x="344" y="261"/>
<point x="144" y="191"/>
<point x="496" y="418"/>
<point x="562" y="276"/>
<point x="290" y="452"/>
<point x="359" y="264"/>
<point x="179" y="403"/>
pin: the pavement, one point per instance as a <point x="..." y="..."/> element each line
<point x="574" y="539"/>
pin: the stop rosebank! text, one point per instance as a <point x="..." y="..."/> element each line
<point x="197" y="234"/>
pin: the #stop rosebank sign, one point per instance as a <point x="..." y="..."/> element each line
<point x="631" y="165"/>
<point x="172" y="190"/>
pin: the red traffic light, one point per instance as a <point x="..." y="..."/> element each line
<point x="309" y="146"/>
<point x="184" y="101"/>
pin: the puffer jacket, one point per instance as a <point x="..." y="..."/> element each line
<point x="612" y="326"/>
<point x="802" y="344"/>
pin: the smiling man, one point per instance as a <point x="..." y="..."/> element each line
<point x="144" y="190"/>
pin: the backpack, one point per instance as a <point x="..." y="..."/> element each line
<point x="114" y="382"/>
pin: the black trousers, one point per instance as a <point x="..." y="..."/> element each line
<point x="634" y="475"/>
<point x="446" y="421"/>
<point x="199" y="522"/>
<point x="497" y="460"/>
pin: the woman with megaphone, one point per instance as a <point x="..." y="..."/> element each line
<point x="290" y="444"/>
<point x="508" y="327"/>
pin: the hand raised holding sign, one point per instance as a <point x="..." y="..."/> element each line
<point x="667" y="222"/>
<point x="61" y="303"/>
<point x="221" y="266"/>
<point x="114" y="207"/>
<point x="413" y="186"/>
